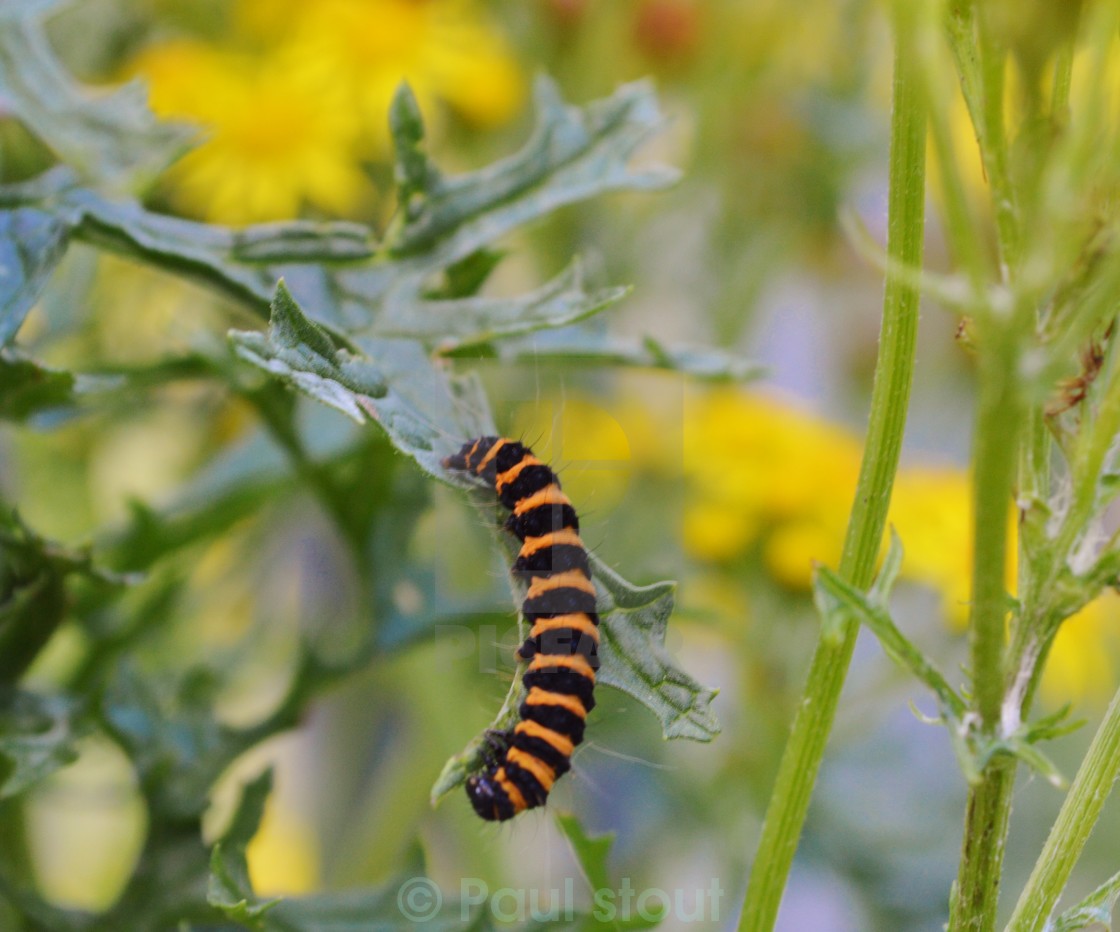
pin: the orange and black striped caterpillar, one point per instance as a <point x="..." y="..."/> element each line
<point x="562" y="646"/>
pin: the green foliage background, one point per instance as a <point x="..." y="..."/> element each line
<point x="236" y="585"/>
<point x="386" y="316"/>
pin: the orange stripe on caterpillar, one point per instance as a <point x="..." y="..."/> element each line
<point x="560" y="742"/>
<point x="542" y="697"/>
<point x="577" y="621"/>
<point x="575" y="662"/>
<point x="490" y="454"/>
<point x="569" y="579"/>
<point x="505" y="478"/>
<point x="565" y="536"/>
<point x="511" y="789"/>
<point x="544" y="774"/>
<point x="549" y="495"/>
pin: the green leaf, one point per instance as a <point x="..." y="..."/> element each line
<point x="1025" y="750"/>
<point x="171" y="733"/>
<point x="230" y="890"/>
<point x="31" y="243"/>
<point x="425" y="412"/>
<point x="838" y="602"/>
<point x="26" y="387"/>
<point x="1094" y="910"/>
<point x="301" y="241"/>
<point x="33" y="598"/>
<point x="111" y="138"/>
<point x="1056" y="725"/>
<point x="301" y="354"/>
<point x="247" y="817"/>
<point x="592" y="853"/>
<point x="633" y="623"/>
<point x="454" y="324"/>
<point x="195" y="251"/>
<point x="464" y="278"/>
<point x="406" y="128"/>
<point x="38" y="735"/>
<point x="242" y="265"/>
<point x="590" y="347"/>
<point x="574" y="153"/>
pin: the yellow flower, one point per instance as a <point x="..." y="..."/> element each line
<point x="763" y="474"/>
<point x="714" y="532"/>
<point x="278" y="136"/>
<point x="931" y="510"/>
<point x="1082" y="665"/>
<point x="300" y="94"/>
<point x="760" y="469"/>
<point x="283" y="855"/>
<point x="443" y="48"/>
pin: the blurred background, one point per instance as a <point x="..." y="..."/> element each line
<point x="778" y="120"/>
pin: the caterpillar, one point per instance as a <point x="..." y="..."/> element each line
<point x="524" y="762"/>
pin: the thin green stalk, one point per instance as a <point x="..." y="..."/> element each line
<point x="960" y="225"/>
<point x="1063" y="80"/>
<point x="1079" y="813"/>
<point x="980" y="66"/>
<point x="994" y="148"/>
<point x="889" y="400"/>
<point x="976" y="895"/>
<point x="994" y="453"/>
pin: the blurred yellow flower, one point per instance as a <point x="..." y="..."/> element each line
<point x="931" y="509"/>
<point x="283" y="856"/>
<point x="299" y="97"/>
<point x="441" y="47"/>
<point x="278" y="136"/>
<point x="594" y="448"/>
<point x="1082" y="663"/>
<point x="763" y="474"/>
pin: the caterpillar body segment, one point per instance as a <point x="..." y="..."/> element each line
<point x="562" y="647"/>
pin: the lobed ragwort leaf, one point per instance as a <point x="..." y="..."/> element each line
<point x="230" y="890"/>
<point x="31" y="243"/>
<point x="112" y="139"/>
<point x="38" y="735"/>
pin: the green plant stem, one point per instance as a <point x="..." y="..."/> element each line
<point x="995" y="457"/>
<point x="994" y="145"/>
<point x="1079" y="813"/>
<point x="1101" y="765"/>
<point x="994" y="454"/>
<point x="889" y="400"/>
